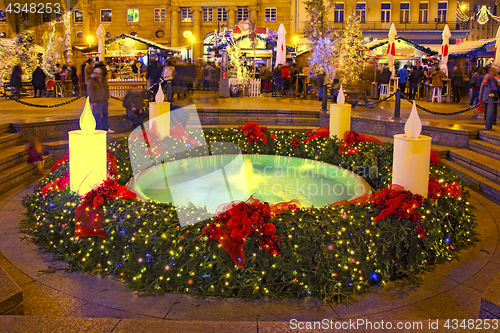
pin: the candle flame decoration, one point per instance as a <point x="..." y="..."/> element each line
<point x="159" y="98"/>
<point x="341" y="97"/>
<point x="413" y="125"/>
<point x="87" y="120"/>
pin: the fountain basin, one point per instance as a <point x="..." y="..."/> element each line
<point x="209" y="181"/>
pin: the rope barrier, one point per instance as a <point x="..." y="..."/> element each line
<point x="441" y="113"/>
<point x="373" y="103"/>
<point x="41" y="105"/>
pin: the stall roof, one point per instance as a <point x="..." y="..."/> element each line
<point x="9" y="43"/>
<point x="141" y="40"/>
<point x="376" y="43"/>
<point x="465" y="48"/>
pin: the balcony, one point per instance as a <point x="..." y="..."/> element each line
<point x="411" y="25"/>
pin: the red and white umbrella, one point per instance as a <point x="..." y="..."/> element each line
<point x="391" y="48"/>
<point x="444" y="49"/>
<point x="100" y="33"/>
<point x="496" y="61"/>
<point x="281" y="46"/>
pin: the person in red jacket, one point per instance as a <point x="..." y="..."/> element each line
<point x="285" y="77"/>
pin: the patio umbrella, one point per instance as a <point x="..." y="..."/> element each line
<point x="496" y="61"/>
<point x="391" y="48"/>
<point x="444" y="49"/>
<point x="281" y="46"/>
<point x="100" y="41"/>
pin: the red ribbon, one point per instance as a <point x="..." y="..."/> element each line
<point x="179" y="133"/>
<point x="454" y="190"/>
<point x="55" y="186"/>
<point x="322" y="132"/>
<point x="60" y="161"/>
<point x="254" y="128"/>
<point x="282" y="207"/>
<point x="351" y="137"/>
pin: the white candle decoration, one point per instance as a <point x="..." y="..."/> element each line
<point x="159" y="114"/>
<point x="413" y="126"/>
<point x="411" y="160"/>
<point x="87" y="154"/>
<point x="340" y="116"/>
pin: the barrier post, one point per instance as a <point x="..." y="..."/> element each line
<point x="397" y="106"/>
<point x="323" y="101"/>
<point x="490" y="114"/>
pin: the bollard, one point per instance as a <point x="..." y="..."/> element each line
<point x="323" y="101"/>
<point x="397" y="106"/>
<point x="490" y="114"/>
<point x="169" y="91"/>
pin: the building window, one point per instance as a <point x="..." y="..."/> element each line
<point x="361" y="11"/>
<point x="78" y="16"/>
<point x="221" y="15"/>
<point x="404" y="12"/>
<point x="338" y="16"/>
<point x="106" y="15"/>
<point x="442" y="11"/>
<point x="271" y="14"/>
<point x="132" y="15"/>
<point x="46" y="17"/>
<point x="208" y="14"/>
<point x="186" y="15"/>
<point x="242" y="14"/>
<point x="385" y="12"/>
<point x="160" y="15"/>
<point x="423" y="12"/>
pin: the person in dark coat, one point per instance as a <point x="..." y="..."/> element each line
<point x="385" y="76"/>
<point x="99" y="99"/>
<point x="415" y="78"/>
<point x="38" y="81"/>
<point x="16" y="80"/>
<point x="153" y="74"/>
<point x="74" y="79"/>
<point x="457" y="79"/>
<point x="134" y="104"/>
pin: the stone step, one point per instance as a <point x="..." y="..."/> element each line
<point x="482" y="165"/>
<point x="18" y="173"/>
<point x="6" y="128"/>
<point x="257" y="113"/>
<point x="292" y="128"/>
<point x="12" y="156"/>
<point x="9" y="140"/>
<point x="476" y="181"/>
<point x="489" y="149"/>
<point x="11" y="295"/>
<point x="237" y="121"/>
<point x="490" y="137"/>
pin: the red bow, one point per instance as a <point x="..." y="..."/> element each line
<point x="253" y="128"/>
<point x="322" y="132"/>
<point x="55" y="186"/>
<point x="179" y="133"/>
<point x="454" y="190"/>
<point x="351" y="137"/>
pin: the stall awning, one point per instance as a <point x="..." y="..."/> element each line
<point x="147" y="42"/>
<point x="464" y="48"/>
<point x="381" y="42"/>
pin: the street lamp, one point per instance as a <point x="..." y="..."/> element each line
<point x="192" y="38"/>
<point x="90" y="40"/>
<point x="295" y="41"/>
<point x="463" y="6"/>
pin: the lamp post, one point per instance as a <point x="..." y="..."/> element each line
<point x="90" y="40"/>
<point x="192" y="38"/>
<point x="295" y="41"/>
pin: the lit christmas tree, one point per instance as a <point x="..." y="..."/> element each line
<point x="350" y="53"/>
<point x="319" y="32"/>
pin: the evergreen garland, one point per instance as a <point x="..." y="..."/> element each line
<point x="332" y="252"/>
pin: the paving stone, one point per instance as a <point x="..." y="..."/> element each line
<point x="173" y="326"/>
<point x="10" y="293"/>
<point x="490" y="300"/>
<point x="191" y="308"/>
<point x="27" y="324"/>
<point x="40" y="300"/>
<point x="461" y="302"/>
<point x="93" y="310"/>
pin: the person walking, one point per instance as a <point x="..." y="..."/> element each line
<point x="277" y="78"/>
<point x="16" y="80"/>
<point x="403" y="78"/>
<point x="38" y="81"/>
<point x="457" y="79"/>
<point x="89" y="69"/>
<point x="74" y="79"/>
<point x="490" y="86"/>
<point x="437" y="77"/>
<point x="99" y="99"/>
<point x="134" y="104"/>
<point x="414" y="78"/>
<point x="475" y="82"/>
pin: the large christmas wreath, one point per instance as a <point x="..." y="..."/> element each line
<point x="254" y="250"/>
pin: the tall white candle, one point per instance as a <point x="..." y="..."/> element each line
<point x="87" y="154"/>
<point x="412" y="153"/>
<point x="159" y="113"/>
<point x="340" y="116"/>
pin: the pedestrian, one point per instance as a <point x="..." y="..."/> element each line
<point x="89" y="69"/>
<point x="457" y="79"/>
<point x="475" y="82"/>
<point x="168" y="76"/>
<point x="38" y="81"/>
<point x="153" y="74"/>
<point x="16" y="80"/>
<point x="278" y="79"/>
<point x="99" y="99"/>
<point x="74" y="79"/>
<point x="490" y="86"/>
<point x="134" y="104"/>
<point x="35" y="155"/>
<point x="414" y="78"/>
<point x="403" y="78"/>
<point x="285" y="79"/>
<point x="437" y="77"/>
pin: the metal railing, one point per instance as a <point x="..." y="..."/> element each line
<point x="408" y="25"/>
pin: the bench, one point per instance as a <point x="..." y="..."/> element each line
<point x="26" y="89"/>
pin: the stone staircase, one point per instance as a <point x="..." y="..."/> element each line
<point x="479" y="164"/>
<point x="14" y="168"/>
